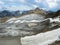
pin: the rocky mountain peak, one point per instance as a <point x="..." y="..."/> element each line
<point x="38" y="11"/>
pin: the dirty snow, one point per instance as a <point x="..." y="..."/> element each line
<point x="26" y="18"/>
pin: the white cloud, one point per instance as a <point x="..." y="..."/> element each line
<point x="58" y="0"/>
<point x="12" y="7"/>
<point x="21" y="7"/>
<point x="1" y="2"/>
<point x="0" y="8"/>
<point x="34" y="6"/>
<point x="38" y="1"/>
<point x="51" y="3"/>
<point x="45" y="9"/>
<point x="12" y="0"/>
<point x="48" y="3"/>
<point x="25" y="7"/>
<point x="17" y="0"/>
<point x="22" y="0"/>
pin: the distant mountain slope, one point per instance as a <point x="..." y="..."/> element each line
<point x="7" y="13"/>
<point x="51" y="14"/>
<point x="34" y="11"/>
<point x="4" y="14"/>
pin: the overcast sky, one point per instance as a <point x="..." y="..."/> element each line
<point x="29" y="4"/>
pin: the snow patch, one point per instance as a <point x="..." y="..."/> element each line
<point x="55" y="19"/>
<point x="42" y="38"/>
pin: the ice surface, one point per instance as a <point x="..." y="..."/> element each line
<point x="42" y="38"/>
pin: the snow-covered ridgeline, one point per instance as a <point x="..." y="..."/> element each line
<point x="31" y="18"/>
<point x="26" y="18"/>
<point x="42" y="38"/>
<point x="57" y="19"/>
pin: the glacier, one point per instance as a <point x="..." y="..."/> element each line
<point x="42" y="38"/>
